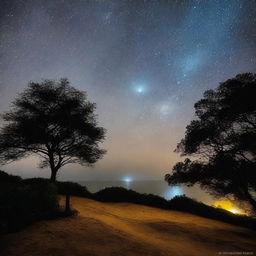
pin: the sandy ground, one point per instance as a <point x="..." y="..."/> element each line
<point x="124" y="229"/>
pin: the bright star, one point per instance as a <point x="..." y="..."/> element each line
<point x="140" y="88"/>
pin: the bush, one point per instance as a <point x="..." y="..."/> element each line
<point x="72" y="188"/>
<point x="154" y="200"/>
<point x="44" y="191"/>
<point x="63" y="187"/>
<point x="7" y="178"/>
<point x="25" y="202"/>
<point x="183" y="203"/>
<point x="115" y="194"/>
<point x="120" y="194"/>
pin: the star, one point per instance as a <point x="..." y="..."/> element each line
<point x="140" y="88"/>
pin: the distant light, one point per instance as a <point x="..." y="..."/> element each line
<point x="235" y="211"/>
<point x="172" y="192"/>
<point x="176" y="191"/>
<point x="127" y="179"/>
<point x="228" y="206"/>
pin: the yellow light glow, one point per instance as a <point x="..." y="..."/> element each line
<point x="235" y="211"/>
<point x="227" y="205"/>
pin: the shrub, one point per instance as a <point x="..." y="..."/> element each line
<point x="120" y="194"/>
<point x="183" y="203"/>
<point x="43" y="194"/>
<point x="25" y="202"/>
<point x="115" y="194"/>
<point x="5" y="177"/>
<point x="72" y="188"/>
<point x="154" y="200"/>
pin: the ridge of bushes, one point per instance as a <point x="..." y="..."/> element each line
<point x="39" y="198"/>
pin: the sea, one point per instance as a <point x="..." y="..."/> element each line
<point x="156" y="187"/>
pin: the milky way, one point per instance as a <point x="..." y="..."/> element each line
<point x="144" y="63"/>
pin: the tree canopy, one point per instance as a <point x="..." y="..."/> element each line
<point x="54" y="121"/>
<point x="222" y="142"/>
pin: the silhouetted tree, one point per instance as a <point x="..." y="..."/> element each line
<point x="56" y="122"/>
<point x="222" y="142"/>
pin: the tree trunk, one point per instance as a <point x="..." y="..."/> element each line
<point x="53" y="175"/>
<point x="67" y="206"/>
<point x="53" y="167"/>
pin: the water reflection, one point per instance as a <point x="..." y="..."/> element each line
<point x="127" y="181"/>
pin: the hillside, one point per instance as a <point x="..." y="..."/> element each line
<point x="125" y="229"/>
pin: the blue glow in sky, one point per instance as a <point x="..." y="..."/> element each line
<point x="192" y="62"/>
<point x="140" y="88"/>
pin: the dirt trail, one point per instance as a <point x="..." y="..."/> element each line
<point x="125" y="229"/>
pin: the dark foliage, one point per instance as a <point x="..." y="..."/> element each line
<point x="8" y="178"/>
<point x="24" y="202"/>
<point x="119" y="194"/>
<point x="72" y="188"/>
<point x="223" y="141"/>
<point x="185" y="204"/>
<point x="54" y="121"/>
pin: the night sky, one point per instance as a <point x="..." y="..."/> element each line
<point x="144" y="63"/>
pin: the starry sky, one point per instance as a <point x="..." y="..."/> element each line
<point x="144" y="63"/>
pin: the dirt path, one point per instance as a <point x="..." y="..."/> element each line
<point x="124" y="229"/>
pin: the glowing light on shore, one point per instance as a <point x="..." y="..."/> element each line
<point x="176" y="191"/>
<point x="127" y="179"/>
<point x="235" y="211"/>
<point x="172" y="192"/>
<point x="228" y="206"/>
